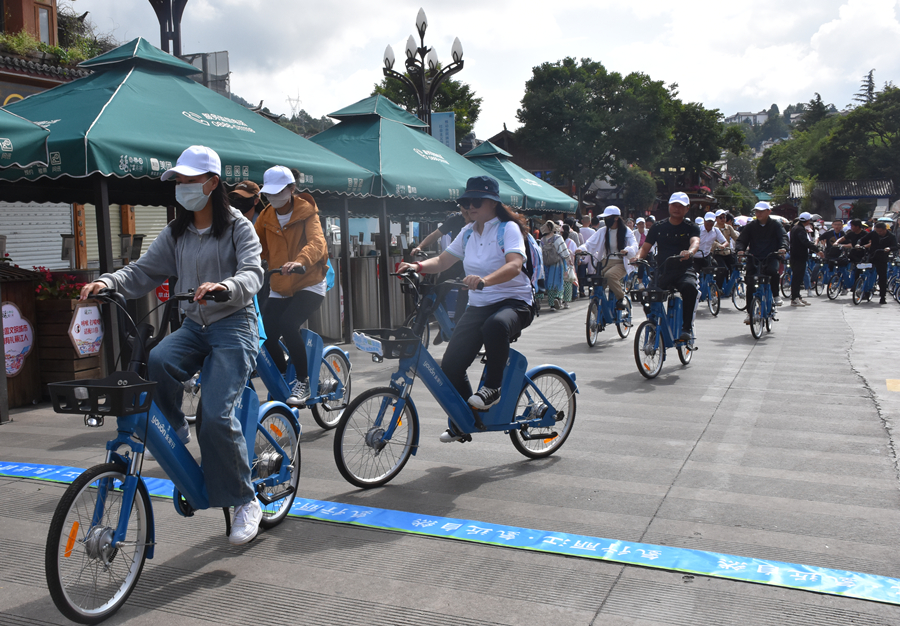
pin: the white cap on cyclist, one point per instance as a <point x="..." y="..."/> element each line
<point x="698" y="220"/>
<point x="709" y="217"/>
<point x="276" y="178"/>
<point x="679" y="197"/>
<point x="611" y="210"/>
<point x="195" y="161"/>
<point x="762" y="206"/>
<point x="721" y="212"/>
<point x="804" y="217"/>
<point x="639" y="220"/>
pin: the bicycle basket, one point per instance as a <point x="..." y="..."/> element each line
<point x="388" y="343"/>
<point x="119" y="394"/>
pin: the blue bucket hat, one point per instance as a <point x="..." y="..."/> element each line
<point x="482" y="187"/>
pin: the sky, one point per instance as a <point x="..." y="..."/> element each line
<point x="731" y="56"/>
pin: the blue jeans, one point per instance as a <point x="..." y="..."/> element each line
<point x="225" y="352"/>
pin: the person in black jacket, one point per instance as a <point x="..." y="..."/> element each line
<point x="880" y="239"/>
<point x="801" y="246"/>
<point x="761" y="237"/>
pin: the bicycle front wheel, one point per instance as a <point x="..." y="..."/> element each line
<point x="623" y="323"/>
<point x="362" y="454"/>
<point x="834" y="286"/>
<point x="820" y="283"/>
<point x="88" y="578"/>
<point x="786" y="284"/>
<point x="649" y="350"/>
<point x="560" y="393"/>
<point x="592" y="324"/>
<point x="756" y="317"/>
<point x="268" y="461"/>
<point x="739" y="295"/>
<point x="190" y="399"/>
<point x="328" y="414"/>
<point x="858" y="291"/>
<point x="426" y="333"/>
<point x="714" y="302"/>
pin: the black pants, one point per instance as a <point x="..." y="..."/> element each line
<point x="491" y="326"/>
<point x="769" y="268"/>
<point x="880" y="264"/>
<point x="283" y="318"/>
<point x="798" y="273"/>
<point x="686" y="284"/>
<point x="726" y="261"/>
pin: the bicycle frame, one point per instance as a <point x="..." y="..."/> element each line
<point x="277" y="384"/>
<point x="667" y="317"/>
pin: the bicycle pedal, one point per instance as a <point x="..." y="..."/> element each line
<point x="478" y="423"/>
<point x="527" y="436"/>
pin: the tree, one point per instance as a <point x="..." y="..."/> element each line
<point x="452" y="95"/>
<point x="741" y="168"/>
<point x="639" y="190"/>
<point x="735" y="198"/>
<point x="813" y="113"/>
<point x="696" y="136"/>
<point x="866" y="93"/>
<point x="592" y="123"/>
<point x="733" y="139"/>
<point x="790" y="160"/>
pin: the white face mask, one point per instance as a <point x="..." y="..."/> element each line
<point x="191" y="196"/>
<point x="279" y="199"/>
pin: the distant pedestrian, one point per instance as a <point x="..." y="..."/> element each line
<point x="555" y="258"/>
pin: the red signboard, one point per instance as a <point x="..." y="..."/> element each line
<point x="162" y="292"/>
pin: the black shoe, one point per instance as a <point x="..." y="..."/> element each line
<point x="883" y="300"/>
<point x="484" y="398"/>
<point x="684" y="336"/>
<point x="620" y="305"/>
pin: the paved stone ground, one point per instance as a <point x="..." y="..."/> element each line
<point x="780" y="449"/>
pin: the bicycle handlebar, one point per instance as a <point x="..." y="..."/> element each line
<point x="411" y="275"/>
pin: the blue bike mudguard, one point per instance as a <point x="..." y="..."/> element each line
<point x="534" y="370"/>
<point x="295" y="414"/>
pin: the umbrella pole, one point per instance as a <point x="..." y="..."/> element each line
<point x="383" y="266"/>
<point x="4" y="392"/>
<point x="345" y="272"/>
<point x="104" y="240"/>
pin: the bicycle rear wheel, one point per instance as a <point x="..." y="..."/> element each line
<point x="739" y="295"/>
<point x="88" y="579"/>
<point x="684" y="353"/>
<point x="858" y="291"/>
<point x="560" y="392"/>
<point x="786" y="283"/>
<point x="426" y="333"/>
<point x="362" y="455"/>
<point x="328" y="414"/>
<point x="268" y="461"/>
<point x="756" y="317"/>
<point x="624" y="323"/>
<point x="649" y="350"/>
<point x="592" y="323"/>
<point x="834" y="286"/>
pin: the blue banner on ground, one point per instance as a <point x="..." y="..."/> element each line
<point x="775" y="573"/>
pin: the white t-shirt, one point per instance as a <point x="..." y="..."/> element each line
<point x="482" y="256"/>
<point x="319" y="288"/>
<point x="706" y="240"/>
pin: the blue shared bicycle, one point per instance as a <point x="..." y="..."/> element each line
<point x="709" y="289"/>
<point x="840" y="276"/>
<point x="761" y="308"/>
<point x="380" y="429"/>
<point x="865" y="282"/>
<point x="660" y="331"/>
<point x="103" y="528"/>
<point x="602" y="307"/>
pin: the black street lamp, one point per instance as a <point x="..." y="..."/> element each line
<point x="425" y="72"/>
<point x="169" y="13"/>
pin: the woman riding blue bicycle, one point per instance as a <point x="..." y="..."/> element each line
<point x="210" y="247"/>
<point x="492" y="249"/>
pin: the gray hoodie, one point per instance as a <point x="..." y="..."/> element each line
<point x="232" y="260"/>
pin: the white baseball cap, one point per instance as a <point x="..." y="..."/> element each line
<point x="721" y="212"/>
<point x="640" y="220"/>
<point x="276" y="178"/>
<point x="805" y="217"/>
<point x="709" y="217"/>
<point x="762" y="206"/>
<point x="680" y="197"/>
<point x="611" y="210"/>
<point x="698" y="220"/>
<point x="195" y="161"/>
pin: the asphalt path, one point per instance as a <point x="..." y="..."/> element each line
<point x="780" y="448"/>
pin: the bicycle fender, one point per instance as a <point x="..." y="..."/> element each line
<point x="415" y="412"/>
<point x="265" y="406"/>
<point x="570" y="375"/>
<point x="330" y="349"/>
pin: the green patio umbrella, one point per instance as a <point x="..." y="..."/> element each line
<point x="539" y="196"/>
<point x="378" y="135"/>
<point x="139" y="110"/>
<point x="22" y="143"/>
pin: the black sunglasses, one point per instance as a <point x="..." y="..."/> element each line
<point x="471" y="203"/>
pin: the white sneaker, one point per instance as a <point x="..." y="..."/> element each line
<point x="747" y="319"/>
<point x="448" y="437"/>
<point x="804" y="302"/>
<point x="779" y="302"/>
<point x="246" y="523"/>
<point x="796" y="303"/>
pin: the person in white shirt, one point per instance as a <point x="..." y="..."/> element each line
<point x="711" y="239"/>
<point x="613" y="238"/>
<point x="492" y="249"/>
<point x="584" y="265"/>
